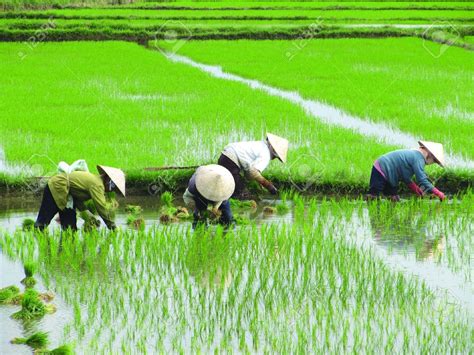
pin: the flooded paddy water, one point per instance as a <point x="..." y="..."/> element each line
<point x="167" y="288"/>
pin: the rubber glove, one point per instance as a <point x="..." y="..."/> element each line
<point x="415" y="188"/>
<point x="438" y="193"/>
<point x="269" y="186"/>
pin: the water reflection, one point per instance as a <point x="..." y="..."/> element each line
<point x="406" y="233"/>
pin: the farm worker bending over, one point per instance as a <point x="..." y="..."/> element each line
<point x="253" y="157"/>
<point x="210" y="185"/>
<point x="392" y="167"/>
<point x="82" y="186"/>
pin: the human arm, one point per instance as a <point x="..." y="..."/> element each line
<point x="254" y="174"/>
<point x="104" y="209"/>
<point x="421" y="178"/>
<point x="415" y="188"/>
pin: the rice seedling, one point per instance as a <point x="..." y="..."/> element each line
<point x="9" y="294"/>
<point x="258" y="286"/>
<point x="132" y="209"/>
<point x="30" y="269"/>
<point x="269" y="210"/>
<point x="37" y="340"/>
<point x="32" y="307"/>
<point x="61" y="350"/>
<point x="136" y="222"/>
<point x="282" y="206"/>
<point x="241" y="204"/>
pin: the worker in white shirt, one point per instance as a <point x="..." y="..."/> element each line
<point x="253" y="158"/>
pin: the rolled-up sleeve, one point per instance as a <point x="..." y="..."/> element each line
<point x="188" y="198"/>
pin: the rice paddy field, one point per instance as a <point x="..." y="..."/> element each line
<point x="316" y="269"/>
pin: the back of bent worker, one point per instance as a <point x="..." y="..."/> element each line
<point x="82" y="186"/>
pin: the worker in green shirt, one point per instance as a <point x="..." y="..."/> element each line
<point x="402" y="165"/>
<point x="81" y="186"/>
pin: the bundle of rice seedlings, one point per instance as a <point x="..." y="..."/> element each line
<point x="32" y="306"/>
<point x="47" y="296"/>
<point x="243" y="204"/>
<point x="167" y="199"/>
<point x="166" y="218"/>
<point x="282" y="207"/>
<point x="136" y="222"/>
<point x="9" y="294"/>
<point x="182" y="213"/>
<point x="269" y="210"/>
<point x="28" y="224"/>
<point x="133" y="209"/>
<point x="30" y="269"/>
<point x="62" y="350"/>
<point x="38" y="340"/>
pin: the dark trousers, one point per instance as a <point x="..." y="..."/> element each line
<point x="201" y="205"/>
<point x="49" y="209"/>
<point x="227" y="163"/>
<point x="379" y="185"/>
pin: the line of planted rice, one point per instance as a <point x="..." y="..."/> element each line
<point x="289" y="288"/>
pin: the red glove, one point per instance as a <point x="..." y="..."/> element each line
<point x="414" y="187"/>
<point x="438" y="193"/>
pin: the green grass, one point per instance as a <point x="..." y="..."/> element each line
<point x="398" y="81"/>
<point x="303" y="287"/>
<point x="124" y="105"/>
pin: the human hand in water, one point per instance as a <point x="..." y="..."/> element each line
<point x="439" y="194"/>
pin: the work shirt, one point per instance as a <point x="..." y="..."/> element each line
<point x="401" y="165"/>
<point x="249" y="155"/>
<point x="82" y="186"/>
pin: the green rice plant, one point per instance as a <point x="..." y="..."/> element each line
<point x="9" y="294"/>
<point x="30" y="269"/>
<point x="282" y="207"/>
<point x="166" y="199"/>
<point x="37" y="340"/>
<point x="61" y="350"/>
<point x="28" y="224"/>
<point x="234" y="203"/>
<point x="132" y="209"/>
<point x="428" y="112"/>
<point x="269" y="210"/>
<point x="136" y="222"/>
<point x="257" y="284"/>
<point x="148" y="94"/>
<point x="32" y="307"/>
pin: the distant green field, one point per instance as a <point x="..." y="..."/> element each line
<point x="124" y="105"/>
<point x="328" y="15"/>
<point x="399" y="81"/>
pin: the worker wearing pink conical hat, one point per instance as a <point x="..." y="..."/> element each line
<point x="252" y="158"/>
<point x="402" y="165"/>
<point x="82" y="186"/>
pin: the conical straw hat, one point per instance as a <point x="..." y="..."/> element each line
<point x="214" y="182"/>
<point x="436" y="149"/>
<point x="116" y="175"/>
<point x="279" y="145"/>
